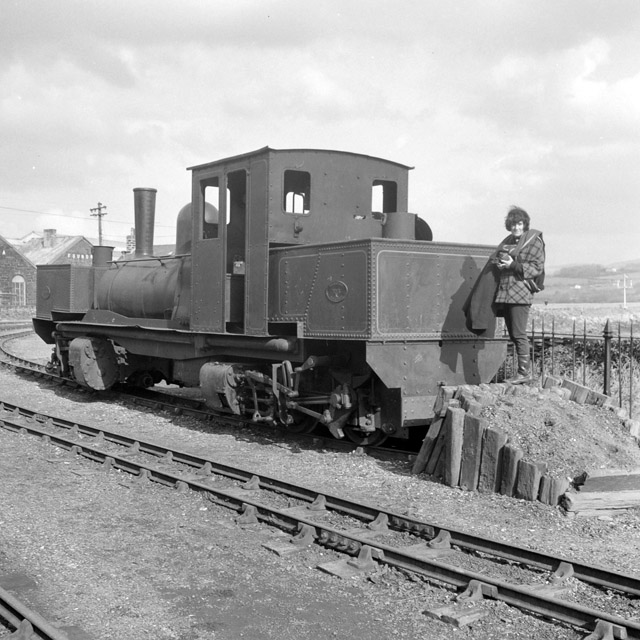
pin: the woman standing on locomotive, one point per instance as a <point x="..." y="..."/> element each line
<point x="520" y="263"/>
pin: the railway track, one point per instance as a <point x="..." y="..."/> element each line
<point x="369" y="537"/>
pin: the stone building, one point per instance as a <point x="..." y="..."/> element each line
<point x="19" y="258"/>
<point x="17" y="277"/>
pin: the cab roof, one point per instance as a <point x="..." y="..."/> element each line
<point x="268" y="151"/>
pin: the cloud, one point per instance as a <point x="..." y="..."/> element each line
<point x="494" y="102"/>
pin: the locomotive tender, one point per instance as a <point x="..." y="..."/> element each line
<point x="301" y="291"/>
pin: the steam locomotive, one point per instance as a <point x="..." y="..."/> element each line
<point x="301" y="292"/>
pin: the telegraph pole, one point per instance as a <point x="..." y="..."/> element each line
<point x="97" y="212"/>
<point x="625" y="286"/>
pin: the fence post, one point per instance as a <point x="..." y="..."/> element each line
<point x="553" y="345"/>
<point x="533" y="347"/>
<point x="584" y="352"/>
<point x="542" y="352"/>
<point x="619" y="365"/>
<point x="608" y="336"/>
<point x="573" y="351"/>
<point x="631" y="362"/>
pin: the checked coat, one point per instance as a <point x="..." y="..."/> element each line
<point x="529" y="256"/>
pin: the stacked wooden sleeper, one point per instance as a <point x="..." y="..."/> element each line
<point x="461" y="449"/>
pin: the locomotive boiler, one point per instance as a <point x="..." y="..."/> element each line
<point x="301" y="291"/>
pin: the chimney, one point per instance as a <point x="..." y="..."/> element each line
<point x="49" y="237"/>
<point x="144" y="201"/>
<point x="131" y="240"/>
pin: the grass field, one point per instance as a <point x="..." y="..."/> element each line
<point x="593" y="284"/>
<point x="593" y="315"/>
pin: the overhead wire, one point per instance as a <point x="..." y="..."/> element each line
<point x="65" y="215"/>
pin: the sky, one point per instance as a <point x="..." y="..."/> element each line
<point x="534" y="103"/>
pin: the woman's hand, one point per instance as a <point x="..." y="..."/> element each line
<point x="505" y="262"/>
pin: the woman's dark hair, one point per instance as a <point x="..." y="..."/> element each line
<point x="516" y="214"/>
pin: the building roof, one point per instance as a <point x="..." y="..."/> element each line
<point x="32" y="247"/>
<point x="18" y="250"/>
<point x="19" y="241"/>
<point x="46" y="249"/>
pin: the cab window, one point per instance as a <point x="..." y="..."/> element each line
<point x="297" y="192"/>
<point x="209" y="212"/>
<point x="384" y="196"/>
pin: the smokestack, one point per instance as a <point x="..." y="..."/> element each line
<point x="144" y="201"/>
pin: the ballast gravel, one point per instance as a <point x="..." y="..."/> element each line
<point x="105" y="557"/>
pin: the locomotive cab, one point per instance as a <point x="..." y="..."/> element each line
<point x="278" y="198"/>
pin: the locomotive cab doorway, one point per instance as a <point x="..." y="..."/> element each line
<point x="219" y="252"/>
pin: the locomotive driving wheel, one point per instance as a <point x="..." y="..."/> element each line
<point x="365" y="439"/>
<point x="302" y="423"/>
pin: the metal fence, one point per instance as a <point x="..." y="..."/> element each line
<point x="607" y="361"/>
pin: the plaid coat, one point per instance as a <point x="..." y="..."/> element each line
<point x="529" y="263"/>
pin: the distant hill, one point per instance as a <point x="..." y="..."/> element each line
<point x="625" y="266"/>
<point x="587" y="283"/>
<point x="629" y="265"/>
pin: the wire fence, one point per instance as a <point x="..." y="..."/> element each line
<point x="607" y="362"/>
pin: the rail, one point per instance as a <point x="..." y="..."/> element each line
<point x="28" y="624"/>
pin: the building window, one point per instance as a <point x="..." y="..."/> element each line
<point x="297" y="192"/>
<point x="19" y="290"/>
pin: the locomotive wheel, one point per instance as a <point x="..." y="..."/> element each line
<point x="373" y="439"/>
<point x="302" y="423"/>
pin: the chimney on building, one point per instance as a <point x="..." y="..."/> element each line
<point x="49" y="237"/>
<point x="131" y="241"/>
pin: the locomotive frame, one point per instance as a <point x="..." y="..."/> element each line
<point x="301" y="291"/>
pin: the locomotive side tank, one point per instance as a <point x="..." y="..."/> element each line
<point x="301" y="291"/>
